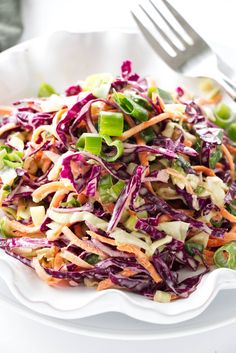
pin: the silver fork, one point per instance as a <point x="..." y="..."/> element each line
<point x="190" y="56"/>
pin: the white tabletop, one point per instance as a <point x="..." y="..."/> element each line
<point x="214" y="20"/>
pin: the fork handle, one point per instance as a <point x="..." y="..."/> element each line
<point x="228" y="85"/>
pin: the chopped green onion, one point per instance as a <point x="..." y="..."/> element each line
<point x="191" y="245"/>
<point x="93" y="144"/>
<point x="10" y="158"/>
<point x="111" y="123"/>
<point x="71" y="203"/>
<point x="117" y="144"/>
<point x="215" y="157"/>
<point x="225" y="256"/>
<point x="165" y="96"/>
<point x="129" y="106"/>
<point x="232" y="132"/>
<point x="46" y="90"/>
<point x="90" y="142"/>
<point x="92" y="259"/>
<point x="148" y="134"/>
<point x="141" y="101"/>
<point x="223" y="115"/>
<point x="107" y="191"/>
<point x="216" y="224"/>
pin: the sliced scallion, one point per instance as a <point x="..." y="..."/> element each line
<point x="90" y="142"/>
<point x="117" y="144"/>
<point x="130" y="107"/>
<point x="223" y="115"/>
<point x="232" y="132"/>
<point x="111" y="123"/>
<point x="225" y="256"/>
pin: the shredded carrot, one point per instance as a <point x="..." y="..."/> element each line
<point x="188" y="143"/>
<point x="231" y="149"/>
<point x="208" y="255"/>
<point x="228" y="215"/>
<point x="78" y="230"/>
<point x="142" y="259"/>
<point x="138" y="128"/>
<point x="58" y="197"/>
<point x="22" y="228"/>
<point x="82" y="243"/>
<point x="82" y="198"/>
<point x="189" y="213"/>
<point x="219" y="166"/>
<point x="43" y="274"/>
<point x="109" y="207"/>
<point x="107" y="283"/>
<point x="5" y="110"/>
<point x="174" y="296"/>
<point x="215" y="242"/>
<point x="214" y="100"/>
<point x="101" y="238"/>
<point x="44" y="190"/>
<point x="203" y="169"/>
<point x="58" y="262"/>
<point x="156" y="96"/>
<point x="164" y="218"/>
<point x="230" y="160"/>
<point x="67" y="255"/>
<point x="233" y="229"/>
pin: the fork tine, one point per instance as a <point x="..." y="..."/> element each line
<point x="162" y="33"/>
<point x="180" y="38"/>
<point x="151" y="39"/>
<point x="186" y="26"/>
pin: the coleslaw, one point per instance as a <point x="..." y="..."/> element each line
<point x="117" y="183"/>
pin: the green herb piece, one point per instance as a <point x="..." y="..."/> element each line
<point x="190" y="246"/>
<point x="92" y="259"/>
<point x="148" y="134"/>
<point x="215" y="157"/>
<point x="71" y="203"/>
<point x="46" y="90"/>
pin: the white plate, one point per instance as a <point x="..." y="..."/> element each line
<point x="220" y="313"/>
<point x="61" y="59"/>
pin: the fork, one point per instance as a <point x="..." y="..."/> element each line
<point x="190" y="56"/>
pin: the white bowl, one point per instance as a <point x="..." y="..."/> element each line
<point x="61" y="59"/>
